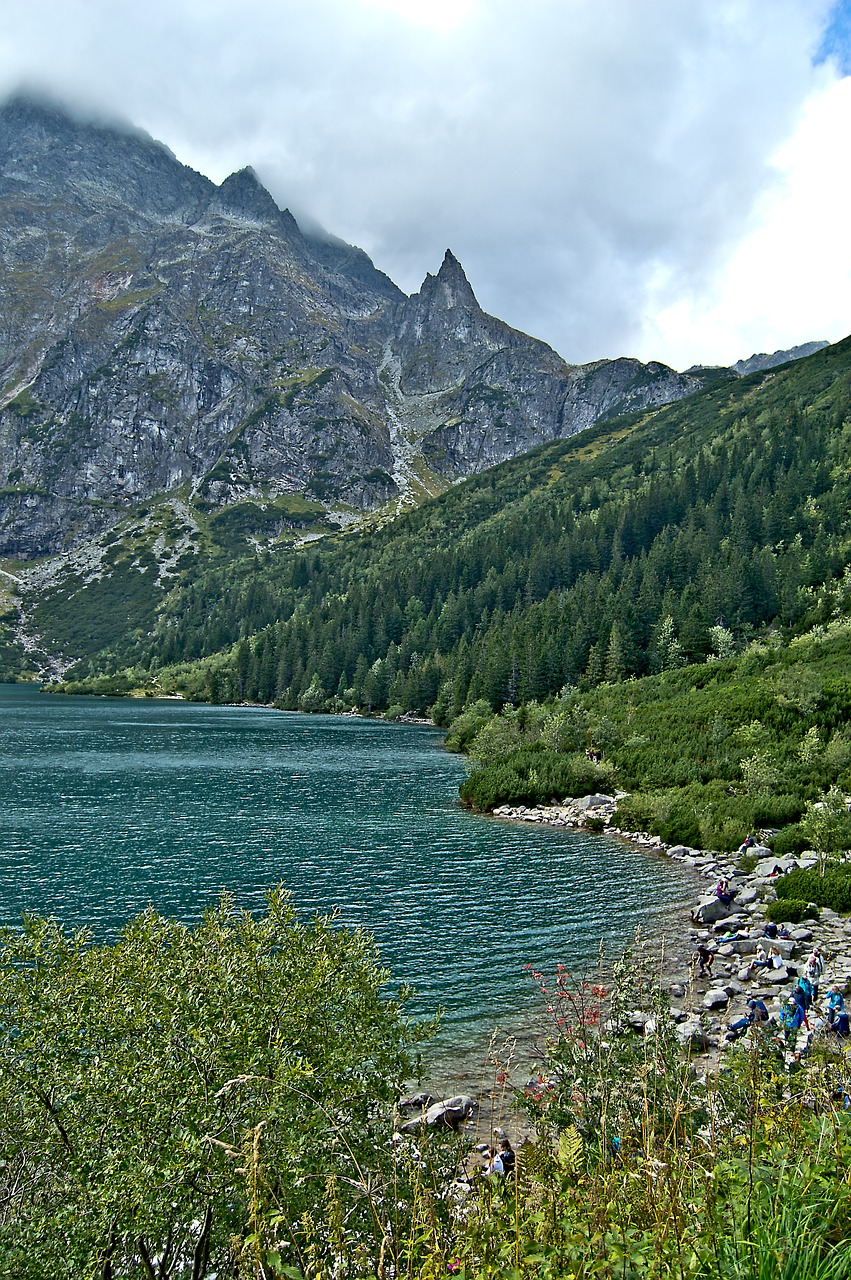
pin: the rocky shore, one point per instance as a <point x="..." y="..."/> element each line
<point x="703" y="1007"/>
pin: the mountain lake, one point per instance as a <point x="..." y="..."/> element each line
<point x="109" y="804"/>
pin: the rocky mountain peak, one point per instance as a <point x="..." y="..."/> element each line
<point x="52" y="154"/>
<point x="449" y="289"/>
<point x="166" y="335"/>
<point x="243" y="196"/>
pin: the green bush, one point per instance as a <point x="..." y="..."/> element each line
<point x="484" y="789"/>
<point x="157" y="1054"/>
<point x="463" y="730"/>
<point x="832" y="890"/>
<point x="533" y="776"/>
<point x="791" y="910"/>
<point x="791" y="840"/>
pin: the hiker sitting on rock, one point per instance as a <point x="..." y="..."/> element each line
<point x="723" y="892"/>
<point x="757" y="1012"/>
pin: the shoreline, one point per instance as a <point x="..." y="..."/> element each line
<point x="732" y="932"/>
<point x="702" y="1007"/>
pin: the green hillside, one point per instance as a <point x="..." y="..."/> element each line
<point x="712" y="531"/>
<point x="557" y="568"/>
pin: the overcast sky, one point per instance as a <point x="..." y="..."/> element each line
<point x="661" y="178"/>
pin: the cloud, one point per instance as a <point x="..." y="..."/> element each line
<point x="595" y="164"/>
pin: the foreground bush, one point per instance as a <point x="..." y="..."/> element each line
<point x="161" y="1095"/>
<point x="643" y="1167"/>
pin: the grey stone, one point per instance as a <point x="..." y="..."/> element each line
<point x="692" y="1035"/>
<point x="596" y="801"/>
<point x="769" y="864"/>
<point x="711" y="909"/>
<point x="677" y="990"/>
<point x="417" y="1100"/>
<point x="715" y="998"/>
<point x="451" y="1112"/>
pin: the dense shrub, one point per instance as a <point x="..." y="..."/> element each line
<point x="790" y="841"/>
<point x="467" y="725"/>
<point x="533" y="776"/>
<point x="833" y="889"/>
<point x="484" y="789"/>
<point x="791" y="910"/>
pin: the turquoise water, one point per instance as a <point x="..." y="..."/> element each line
<point x="107" y="805"/>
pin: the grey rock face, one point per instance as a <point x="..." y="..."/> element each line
<point x="162" y="335"/>
<point x="762" y="360"/>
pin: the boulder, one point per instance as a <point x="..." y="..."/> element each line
<point x="677" y="990"/>
<point x="742" y="946"/>
<point x="745" y="896"/>
<point x="679" y="851"/>
<point x="692" y="1035"/>
<point x="594" y="802"/>
<point x="730" y="924"/>
<point x="708" y="910"/>
<point x="715" y="998"/>
<point x="767" y="866"/>
<point x="417" y="1100"/>
<point x="451" y="1112"/>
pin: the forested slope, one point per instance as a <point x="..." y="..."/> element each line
<point x="590" y="560"/>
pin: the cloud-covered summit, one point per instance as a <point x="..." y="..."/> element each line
<point x="595" y="166"/>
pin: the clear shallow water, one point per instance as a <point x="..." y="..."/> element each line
<point x="109" y="804"/>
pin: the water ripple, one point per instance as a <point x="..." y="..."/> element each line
<point x="108" y="805"/>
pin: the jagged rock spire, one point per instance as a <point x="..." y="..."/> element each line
<point x="450" y="287"/>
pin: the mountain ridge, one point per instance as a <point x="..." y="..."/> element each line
<point x="167" y="336"/>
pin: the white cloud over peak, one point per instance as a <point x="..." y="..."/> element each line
<point x="615" y="178"/>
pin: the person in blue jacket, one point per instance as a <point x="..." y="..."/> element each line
<point x="792" y="1017"/>
<point x="835" y="1005"/>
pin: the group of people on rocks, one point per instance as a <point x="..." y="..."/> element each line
<point x="797" y="1009"/>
